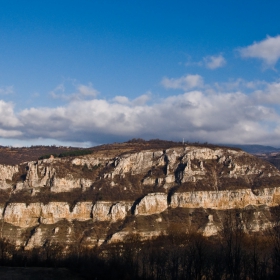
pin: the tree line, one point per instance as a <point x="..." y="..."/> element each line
<point x="67" y="154"/>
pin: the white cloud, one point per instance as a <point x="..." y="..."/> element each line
<point x="140" y="100"/>
<point x="211" y="61"/>
<point x="7" y="90"/>
<point x="84" y="90"/>
<point x="7" y="115"/>
<point x="238" y="85"/>
<point x="267" y="50"/>
<point x="58" y="91"/>
<point x="214" y="62"/>
<point x="9" y="133"/>
<point x="270" y="95"/>
<point x="219" y="116"/>
<point x="121" y="99"/>
<point x="186" y="82"/>
<point x="81" y="92"/>
<point x="9" y="123"/>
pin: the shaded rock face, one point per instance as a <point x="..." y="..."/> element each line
<point x="36" y="240"/>
<point x="97" y="198"/>
<point x="210" y="228"/>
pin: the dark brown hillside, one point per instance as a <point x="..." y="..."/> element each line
<point x="13" y="156"/>
<point x="273" y="158"/>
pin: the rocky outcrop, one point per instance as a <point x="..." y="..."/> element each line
<point x="101" y="198"/>
<point x="7" y="172"/>
<point x="22" y="215"/>
<point x="152" y="203"/>
<point x="6" y="175"/>
<point x="135" y="163"/>
<point x="65" y="184"/>
<point x="178" y="165"/>
<point x="119" y="210"/>
<point x="144" y="235"/>
<point x="210" y="228"/>
<point x="2" y="208"/>
<point x="106" y="211"/>
<point x="36" y="240"/>
<point x="222" y="200"/>
<point x="100" y="211"/>
<point x="56" y="211"/>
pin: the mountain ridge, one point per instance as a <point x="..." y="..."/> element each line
<point x="135" y="188"/>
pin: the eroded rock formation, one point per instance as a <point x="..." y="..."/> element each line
<point x="101" y="198"/>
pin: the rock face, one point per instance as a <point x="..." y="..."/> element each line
<point x="25" y="216"/>
<point x="53" y="212"/>
<point x="6" y="175"/>
<point x="152" y="203"/>
<point x="22" y="215"/>
<point x="7" y="172"/>
<point x="105" y="197"/>
<point x="222" y="200"/>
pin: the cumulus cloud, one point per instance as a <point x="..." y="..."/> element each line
<point x="220" y="116"/>
<point x="9" y="122"/>
<point x="194" y="115"/>
<point x="270" y="95"/>
<point x="268" y="50"/>
<point x="186" y="82"/>
<point x="7" y="116"/>
<point x="214" y="62"/>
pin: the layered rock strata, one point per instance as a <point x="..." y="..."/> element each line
<point x="94" y="199"/>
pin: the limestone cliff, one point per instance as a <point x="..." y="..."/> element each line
<point x="108" y="195"/>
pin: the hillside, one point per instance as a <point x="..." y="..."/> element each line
<point x="14" y="155"/>
<point x="17" y="155"/>
<point x="144" y="188"/>
<point x="256" y="149"/>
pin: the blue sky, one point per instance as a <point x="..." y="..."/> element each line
<point x="90" y="72"/>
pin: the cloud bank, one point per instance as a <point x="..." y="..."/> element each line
<point x="213" y="113"/>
